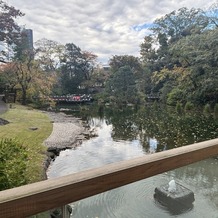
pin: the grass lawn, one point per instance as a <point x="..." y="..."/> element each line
<point x="21" y="119"/>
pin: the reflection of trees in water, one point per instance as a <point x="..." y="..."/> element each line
<point x="158" y="129"/>
<point x="168" y="128"/>
<point x="124" y="124"/>
<point x="156" y="123"/>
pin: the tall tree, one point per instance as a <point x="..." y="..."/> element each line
<point x="122" y="86"/>
<point x="29" y="78"/>
<point x="212" y="14"/>
<point x="118" y="61"/>
<point x="76" y="68"/>
<point x="89" y="63"/>
<point x="9" y="30"/>
<point x="168" y="30"/>
<point x="181" y="23"/>
<point x="25" y="74"/>
<point x="198" y="53"/>
<point x="49" y="53"/>
<point x="7" y="76"/>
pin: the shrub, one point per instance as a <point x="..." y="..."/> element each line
<point x="13" y="158"/>
<point x="216" y="110"/>
<point x="189" y="106"/>
<point x="207" y="109"/>
<point x="174" y="96"/>
<point x="155" y="105"/>
<point x="179" y="107"/>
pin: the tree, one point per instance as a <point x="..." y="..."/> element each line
<point x="147" y="51"/>
<point x="7" y="76"/>
<point x="195" y="76"/>
<point x="29" y="79"/>
<point x="49" y="54"/>
<point x="197" y="49"/>
<point x="26" y="75"/>
<point x="76" y="68"/>
<point x="199" y="54"/>
<point x="118" y="61"/>
<point x="181" y="54"/>
<point x="166" y="31"/>
<point x="89" y="63"/>
<point x="9" y="30"/>
<point x="212" y="15"/>
<point x="122" y="86"/>
<point x="181" y="23"/>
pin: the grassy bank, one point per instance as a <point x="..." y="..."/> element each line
<point x="22" y="119"/>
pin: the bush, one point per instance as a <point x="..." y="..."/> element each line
<point x="175" y="96"/>
<point x="189" y="106"/>
<point x="207" y="109"/>
<point x="13" y="157"/>
<point x="155" y="105"/>
<point x="178" y="107"/>
<point x="141" y="98"/>
<point x="216" y="111"/>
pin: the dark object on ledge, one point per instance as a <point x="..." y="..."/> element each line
<point x="3" y="122"/>
<point x="177" y="201"/>
<point x="33" y="128"/>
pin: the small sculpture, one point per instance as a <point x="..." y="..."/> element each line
<point x="175" y="197"/>
<point x="172" y="186"/>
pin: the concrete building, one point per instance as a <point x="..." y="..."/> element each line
<point x="27" y="37"/>
<point x="7" y="51"/>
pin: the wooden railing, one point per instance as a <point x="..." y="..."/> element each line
<point x="31" y="199"/>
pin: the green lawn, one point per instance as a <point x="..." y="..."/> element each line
<point x="21" y="120"/>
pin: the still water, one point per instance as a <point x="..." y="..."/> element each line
<point x="128" y="134"/>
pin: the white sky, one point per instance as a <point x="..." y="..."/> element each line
<point x="104" y="27"/>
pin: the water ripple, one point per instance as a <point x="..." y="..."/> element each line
<point x="135" y="200"/>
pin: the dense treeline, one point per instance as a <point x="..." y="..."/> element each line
<point x="178" y="63"/>
<point x="34" y="74"/>
<point x="184" y="67"/>
<point x="179" y="60"/>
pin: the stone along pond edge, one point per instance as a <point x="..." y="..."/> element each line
<point x="68" y="133"/>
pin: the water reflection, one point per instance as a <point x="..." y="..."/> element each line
<point x="132" y="134"/>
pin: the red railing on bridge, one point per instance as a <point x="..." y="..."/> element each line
<point x="74" y="98"/>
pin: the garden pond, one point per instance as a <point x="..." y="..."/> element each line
<point x="130" y="133"/>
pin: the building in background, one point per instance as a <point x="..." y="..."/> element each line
<point x="27" y="37"/>
<point x="25" y="43"/>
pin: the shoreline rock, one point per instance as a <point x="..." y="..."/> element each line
<point x="3" y="122"/>
<point x="68" y="133"/>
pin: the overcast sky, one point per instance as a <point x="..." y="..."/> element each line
<point x="104" y="27"/>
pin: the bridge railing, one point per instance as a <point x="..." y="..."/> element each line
<point x="38" y="197"/>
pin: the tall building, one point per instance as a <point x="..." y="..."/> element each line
<point x="25" y="44"/>
<point x="27" y="37"/>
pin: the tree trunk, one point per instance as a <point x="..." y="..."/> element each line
<point x="24" y="93"/>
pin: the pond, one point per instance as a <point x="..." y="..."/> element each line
<point x="133" y="133"/>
